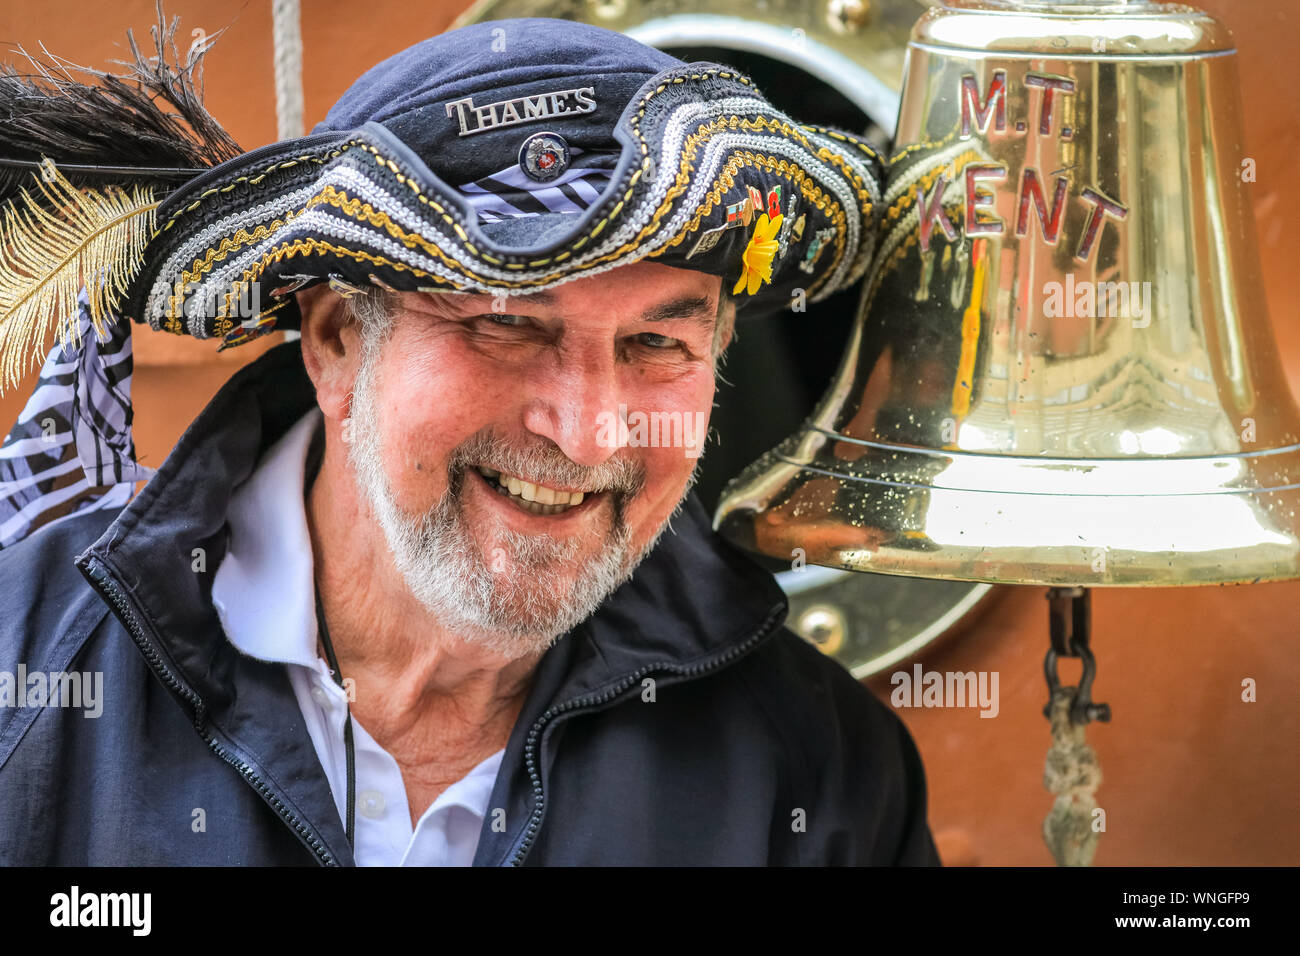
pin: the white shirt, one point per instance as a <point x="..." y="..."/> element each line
<point x="264" y="593"/>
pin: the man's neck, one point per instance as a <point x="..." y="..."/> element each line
<point x="429" y="697"/>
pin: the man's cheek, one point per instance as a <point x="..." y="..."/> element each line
<point x="417" y="470"/>
<point x="667" y="470"/>
<point x="440" y="384"/>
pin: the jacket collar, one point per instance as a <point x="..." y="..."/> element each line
<point x="694" y="599"/>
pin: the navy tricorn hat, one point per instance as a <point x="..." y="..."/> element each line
<point x="510" y="156"/>
<point x="504" y="157"/>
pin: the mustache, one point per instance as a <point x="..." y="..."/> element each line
<point x="544" y="464"/>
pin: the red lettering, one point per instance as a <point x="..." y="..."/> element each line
<point x="1049" y="86"/>
<point x="931" y="211"/>
<point x="1102" y="207"/>
<point x="977" y="196"/>
<point x="1031" y="188"/>
<point x="994" y="107"/>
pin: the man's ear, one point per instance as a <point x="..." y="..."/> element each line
<point x="331" y="348"/>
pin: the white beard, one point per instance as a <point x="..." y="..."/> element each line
<point x="532" y="588"/>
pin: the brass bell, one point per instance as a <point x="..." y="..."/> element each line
<point x="1062" y="371"/>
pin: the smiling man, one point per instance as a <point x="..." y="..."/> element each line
<point x="506" y="514"/>
<point x="396" y="597"/>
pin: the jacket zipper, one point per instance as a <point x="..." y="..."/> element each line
<point x="109" y="588"/>
<point x="534" y="734"/>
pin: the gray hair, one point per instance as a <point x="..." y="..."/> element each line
<point x="373" y="310"/>
<point x="723" y="325"/>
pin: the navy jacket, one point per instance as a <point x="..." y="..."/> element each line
<point x="756" y="749"/>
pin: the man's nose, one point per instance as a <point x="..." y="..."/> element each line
<point x="577" y="406"/>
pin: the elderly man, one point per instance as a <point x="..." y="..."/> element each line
<point x="400" y="595"/>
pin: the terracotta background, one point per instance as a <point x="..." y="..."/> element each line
<point x="1192" y="775"/>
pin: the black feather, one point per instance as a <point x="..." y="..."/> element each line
<point x="146" y="126"/>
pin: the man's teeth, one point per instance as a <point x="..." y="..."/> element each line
<point x="538" y="499"/>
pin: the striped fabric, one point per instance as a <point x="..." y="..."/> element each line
<point x="71" y="449"/>
<point x="509" y="193"/>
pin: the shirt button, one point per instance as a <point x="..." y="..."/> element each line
<point x="371" y="803"/>
<point x="320" y="695"/>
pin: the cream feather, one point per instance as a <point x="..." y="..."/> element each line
<point x="49" y="249"/>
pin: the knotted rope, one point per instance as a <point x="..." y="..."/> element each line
<point x="1073" y="774"/>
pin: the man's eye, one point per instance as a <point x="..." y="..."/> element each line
<point x="500" y="318"/>
<point x="656" y="341"/>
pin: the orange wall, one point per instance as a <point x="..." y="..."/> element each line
<point x="1191" y="774"/>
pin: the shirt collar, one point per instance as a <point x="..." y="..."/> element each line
<point x="264" y="589"/>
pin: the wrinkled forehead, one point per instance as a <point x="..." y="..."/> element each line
<point x="663" y="293"/>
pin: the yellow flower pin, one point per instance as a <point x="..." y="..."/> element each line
<point x="756" y="260"/>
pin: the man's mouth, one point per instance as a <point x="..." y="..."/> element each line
<point x="532" y="497"/>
